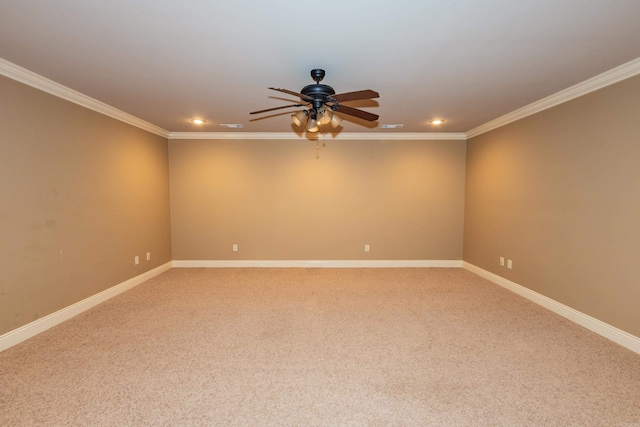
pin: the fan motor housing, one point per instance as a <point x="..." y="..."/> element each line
<point x="318" y="91"/>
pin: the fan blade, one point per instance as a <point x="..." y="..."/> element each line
<point x="354" y="96"/>
<point x="290" y="92"/>
<point x="358" y="113"/>
<point x="276" y="108"/>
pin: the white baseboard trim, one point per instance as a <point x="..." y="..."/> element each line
<point x="604" y="329"/>
<point x="317" y="264"/>
<point x="612" y="333"/>
<point x="29" y="330"/>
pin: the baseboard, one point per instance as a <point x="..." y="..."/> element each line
<point x="317" y="264"/>
<point x="612" y="333"/>
<point x="27" y="331"/>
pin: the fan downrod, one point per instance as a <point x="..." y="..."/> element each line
<point x="317" y="91"/>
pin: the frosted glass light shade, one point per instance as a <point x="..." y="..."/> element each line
<point x="299" y="118"/>
<point x="312" y="125"/>
<point x="325" y="116"/>
<point x="335" y="121"/>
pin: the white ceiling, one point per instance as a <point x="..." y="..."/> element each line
<point x="166" y="61"/>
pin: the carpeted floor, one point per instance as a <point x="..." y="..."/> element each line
<point x="319" y="347"/>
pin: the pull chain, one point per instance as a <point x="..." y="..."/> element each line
<point x="324" y="144"/>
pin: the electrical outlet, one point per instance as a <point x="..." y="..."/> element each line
<point x="148" y="256"/>
<point x="509" y="264"/>
<point x="502" y="261"/>
<point x="136" y="260"/>
<point x="366" y="248"/>
<point x="235" y="247"/>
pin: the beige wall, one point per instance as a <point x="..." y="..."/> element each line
<point x="559" y="193"/>
<point x="278" y="202"/>
<point x="80" y="195"/>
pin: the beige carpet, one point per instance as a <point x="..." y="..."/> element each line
<point x="319" y="347"/>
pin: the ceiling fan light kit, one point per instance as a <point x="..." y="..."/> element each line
<point x="323" y="101"/>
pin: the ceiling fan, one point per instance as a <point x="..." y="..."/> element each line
<point x="322" y="101"/>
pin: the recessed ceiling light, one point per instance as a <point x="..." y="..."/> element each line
<point x="198" y="121"/>
<point x="232" y="125"/>
<point x="392" y="126"/>
<point x="436" y="122"/>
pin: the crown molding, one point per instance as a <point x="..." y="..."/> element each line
<point x="416" y="136"/>
<point x="615" y="75"/>
<point x="22" y="75"/>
